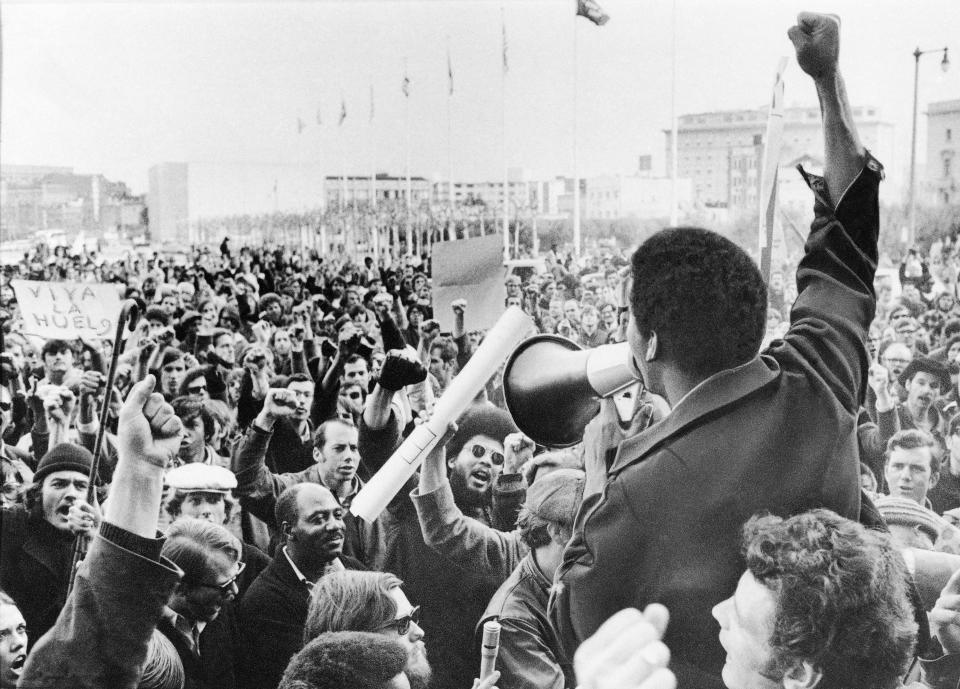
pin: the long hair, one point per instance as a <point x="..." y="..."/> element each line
<point x="351" y="601"/>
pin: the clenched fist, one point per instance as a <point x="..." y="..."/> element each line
<point x="279" y="402"/>
<point x="816" y="38"/>
<point x="147" y="428"/>
<point x="401" y="368"/>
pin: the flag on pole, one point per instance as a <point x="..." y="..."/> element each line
<point x="503" y="27"/>
<point x="405" y="86"/>
<point x="592" y="11"/>
<point x="343" y="110"/>
<point x="301" y="125"/>
<point x="450" y="71"/>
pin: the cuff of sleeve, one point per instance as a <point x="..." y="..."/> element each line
<point x="437" y="501"/>
<point x="872" y="170"/>
<point x="510" y="483"/>
<point x="145" y="547"/>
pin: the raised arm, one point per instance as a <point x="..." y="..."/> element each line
<point x="816" y="38"/>
<point x="102" y="635"/>
<point x="836" y="301"/>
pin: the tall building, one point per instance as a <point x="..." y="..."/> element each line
<point x="185" y="195"/>
<point x="941" y="184"/>
<point x="718" y="151"/>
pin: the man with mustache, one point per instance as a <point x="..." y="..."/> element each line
<point x="274" y="609"/>
<point x="924" y="380"/>
<point x="36" y="539"/>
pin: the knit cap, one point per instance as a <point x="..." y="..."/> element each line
<point x="64" y="457"/>
<point x="906" y="512"/>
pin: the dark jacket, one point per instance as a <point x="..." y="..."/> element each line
<point x="452" y="594"/>
<point x="272" y="615"/>
<point x="778" y="433"/>
<point x="530" y="656"/>
<point x="100" y="639"/>
<point x="35" y="560"/>
<point x="217" y="664"/>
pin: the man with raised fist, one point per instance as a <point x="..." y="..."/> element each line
<point x="336" y="461"/>
<point x="748" y="432"/>
<point x="102" y="636"/>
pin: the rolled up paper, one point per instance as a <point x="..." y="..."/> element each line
<point x="502" y="338"/>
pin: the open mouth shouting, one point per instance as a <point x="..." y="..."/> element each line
<point x="480" y="477"/>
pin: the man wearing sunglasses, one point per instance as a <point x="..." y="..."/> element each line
<point x="448" y="592"/>
<point x="199" y="619"/>
<point x="370" y="602"/>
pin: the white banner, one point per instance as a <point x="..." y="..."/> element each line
<point x="68" y="310"/>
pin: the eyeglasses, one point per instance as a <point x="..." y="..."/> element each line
<point x="225" y="587"/>
<point x="402" y="624"/>
<point x="479" y="451"/>
<point x="196" y="389"/>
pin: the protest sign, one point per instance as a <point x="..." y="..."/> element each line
<point x="470" y="269"/>
<point x="67" y="310"/>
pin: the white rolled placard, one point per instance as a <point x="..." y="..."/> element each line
<point x="512" y="327"/>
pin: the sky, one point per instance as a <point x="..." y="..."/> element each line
<point x="116" y="87"/>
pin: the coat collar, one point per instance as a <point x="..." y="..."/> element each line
<point x="710" y="396"/>
<point x="46" y="544"/>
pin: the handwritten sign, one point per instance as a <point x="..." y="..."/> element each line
<point x="67" y="310"/>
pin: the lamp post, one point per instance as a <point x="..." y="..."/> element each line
<point x="912" y="218"/>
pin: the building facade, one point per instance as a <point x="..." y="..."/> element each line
<point x="721" y="152"/>
<point x="941" y="184"/>
<point x="40" y="197"/>
<point x="350" y="189"/>
<point x="186" y="197"/>
<point x="610" y="197"/>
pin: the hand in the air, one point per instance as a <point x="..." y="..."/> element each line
<point x="147" y="429"/>
<point x="816" y="38"/>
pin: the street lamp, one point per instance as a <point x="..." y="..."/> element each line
<point x="944" y="65"/>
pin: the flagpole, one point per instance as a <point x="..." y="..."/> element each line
<point x="674" y="211"/>
<point x="375" y="234"/>
<point x="576" y="173"/>
<point x="503" y="140"/>
<point x="449" y="137"/>
<point x="406" y="155"/>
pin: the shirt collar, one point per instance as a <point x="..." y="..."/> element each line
<point x="334" y="566"/>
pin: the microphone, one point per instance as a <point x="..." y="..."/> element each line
<point x="489" y="648"/>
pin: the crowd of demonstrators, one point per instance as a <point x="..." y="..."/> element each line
<point x="797" y="511"/>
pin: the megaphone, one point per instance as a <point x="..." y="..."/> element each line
<point x="553" y="387"/>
